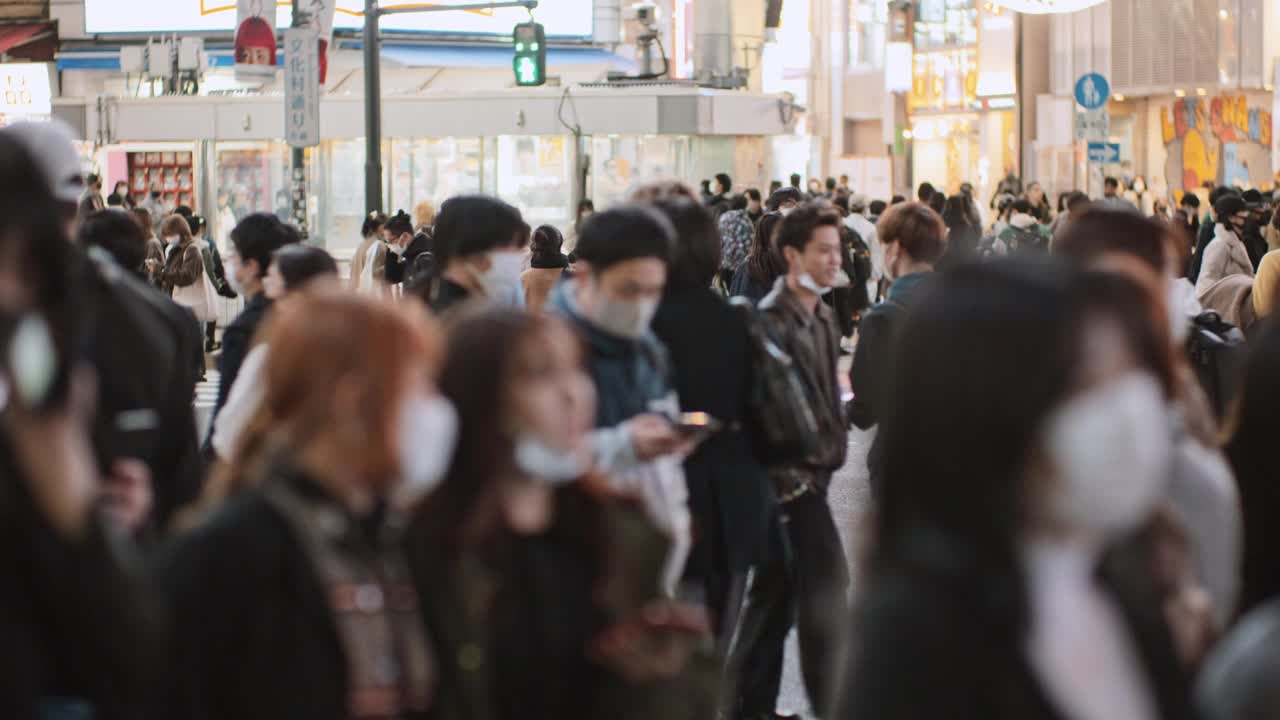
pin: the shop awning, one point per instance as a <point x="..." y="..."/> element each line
<point x="439" y="55"/>
<point x="13" y="36"/>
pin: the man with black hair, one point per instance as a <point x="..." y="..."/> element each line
<point x="253" y="243"/>
<point x="875" y="209"/>
<point x="92" y="200"/>
<point x="1252" y="234"/>
<point x="626" y="251"/>
<point x="831" y="187"/>
<point x="479" y="253"/>
<point x="1111" y="198"/>
<point x="795" y="180"/>
<point x="755" y="205"/>
<point x="808" y="592"/>
<point x="1190" y="203"/>
<point x="925" y="192"/>
<point x="897" y="199"/>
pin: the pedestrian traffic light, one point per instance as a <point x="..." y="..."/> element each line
<point x="530" y="62"/>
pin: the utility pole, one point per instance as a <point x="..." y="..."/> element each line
<point x="372" y="108"/>
<point x="373" y="84"/>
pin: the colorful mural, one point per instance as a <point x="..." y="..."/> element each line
<point x="1218" y="139"/>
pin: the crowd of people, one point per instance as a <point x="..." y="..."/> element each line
<point x="483" y="477"/>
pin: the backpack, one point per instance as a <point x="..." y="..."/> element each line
<point x="421" y="271"/>
<point x="1215" y="349"/>
<point x="779" y="418"/>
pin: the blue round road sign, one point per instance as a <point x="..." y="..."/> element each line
<point x="1092" y="91"/>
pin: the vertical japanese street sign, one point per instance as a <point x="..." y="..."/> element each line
<point x="302" y="87"/>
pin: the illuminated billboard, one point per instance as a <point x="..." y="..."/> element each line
<point x="561" y="18"/>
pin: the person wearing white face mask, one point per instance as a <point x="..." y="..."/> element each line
<point x="1202" y="493"/>
<point x="480" y="247"/>
<point x="625" y="252"/>
<point x="292" y="268"/>
<point x="253" y="242"/>
<point x="990" y="589"/>
<point x="532" y="572"/>
<point x="913" y="238"/>
<point x="299" y="554"/>
<point x="807" y="592"/>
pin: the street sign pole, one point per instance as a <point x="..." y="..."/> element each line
<point x="298" y="164"/>
<point x="373" y="84"/>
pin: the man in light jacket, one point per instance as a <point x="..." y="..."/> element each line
<point x="858" y="222"/>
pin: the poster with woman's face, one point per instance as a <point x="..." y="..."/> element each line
<point x="255" y="39"/>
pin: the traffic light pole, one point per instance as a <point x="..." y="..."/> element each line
<point x="373" y="84"/>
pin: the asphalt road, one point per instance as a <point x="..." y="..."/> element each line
<point x="850" y="501"/>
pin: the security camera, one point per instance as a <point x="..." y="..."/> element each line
<point x="644" y="13"/>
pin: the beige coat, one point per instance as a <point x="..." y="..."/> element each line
<point x="1224" y="256"/>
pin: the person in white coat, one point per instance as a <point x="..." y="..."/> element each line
<point x="1226" y="254"/>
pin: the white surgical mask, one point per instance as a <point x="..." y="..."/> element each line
<point x="172" y="240"/>
<point x="807" y="282"/>
<point x="428" y="433"/>
<point x="1112" y="448"/>
<point x="501" y="281"/>
<point x="230" y="267"/>
<point x="557" y="467"/>
<point x="624" y="319"/>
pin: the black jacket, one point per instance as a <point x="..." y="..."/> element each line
<point x="1202" y="242"/>
<point x="253" y="635"/>
<point x="141" y="345"/>
<point x="928" y="642"/>
<point x="729" y="495"/>
<point x="398" y="264"/>
<point x="76" y="621"/>
<point x="236" y="340"/>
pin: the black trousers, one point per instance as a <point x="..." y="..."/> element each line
<point x="803" y="582"/>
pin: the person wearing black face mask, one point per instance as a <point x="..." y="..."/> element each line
<point x="1226" y="254"/>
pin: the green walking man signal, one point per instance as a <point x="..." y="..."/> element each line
<point x="530" y="62"/>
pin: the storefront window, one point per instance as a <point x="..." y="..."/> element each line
<point x="952" y="149"/>
<point x="533" y="172"/>
<point x="946" y="24"/>
<point x="621" y="163"/>
<point x="249" y="178"/>
<point x="433" y="169"/>
<point x="867" y="22"/>
<point x="340" y="186"/>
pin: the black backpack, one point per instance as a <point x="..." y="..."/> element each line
<point x="779" y="418"/>
<point x="421" y="272"/>
<point x="1216" y="349"/>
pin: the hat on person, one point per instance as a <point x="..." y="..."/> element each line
<point x="858" y="203"/>
<point x="52" y="146"/>
<point x="1229" y="205"/>
<point x="1252" y="199"/>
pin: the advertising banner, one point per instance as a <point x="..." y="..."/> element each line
<point x="255" y="40"/>
<point x="561" y="18"/>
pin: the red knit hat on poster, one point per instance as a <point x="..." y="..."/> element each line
<point x="256" y="33"/>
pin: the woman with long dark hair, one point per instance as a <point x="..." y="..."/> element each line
<point x="987" y="592"/>
<point x="754" y="279"/>
<point x="729" y="496"/>
<point x="962" y="237"/>
<point x="539" y="585"/>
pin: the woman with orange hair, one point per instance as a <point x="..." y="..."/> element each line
<point x="292" y="599"/>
